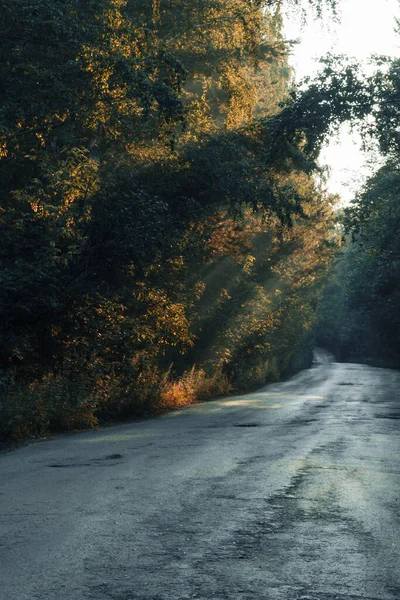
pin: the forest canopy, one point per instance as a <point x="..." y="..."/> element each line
<point x="359" y="314"/>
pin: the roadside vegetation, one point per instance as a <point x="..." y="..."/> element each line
<point x="360" y="310"/>
<point x="165" y="238"/>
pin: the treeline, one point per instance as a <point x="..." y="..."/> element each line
<point x="360" y="311"/>
<point x="162" y="236"/>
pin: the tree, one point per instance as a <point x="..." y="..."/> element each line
<point x="360" y="308"/>
<point x="131" y="165"/>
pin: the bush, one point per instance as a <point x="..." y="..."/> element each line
<point x="194" y="386"/>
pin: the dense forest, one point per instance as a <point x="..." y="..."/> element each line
<point x="359" y="316"/>
<point x="165" y="233"/>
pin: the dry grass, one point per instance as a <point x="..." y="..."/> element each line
<point x="194" y="386"/>
<point x="60" y="403"/>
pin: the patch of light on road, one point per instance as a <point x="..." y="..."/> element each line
<point x="118" y="438"/>
<point x="263" y="395"/>
<point x="255" y="403"/>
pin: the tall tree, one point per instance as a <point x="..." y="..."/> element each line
<point x="131" y="168"/>
<point x="359" y="313"/>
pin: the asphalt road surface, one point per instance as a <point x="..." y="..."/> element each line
<point x="291" y="493"/>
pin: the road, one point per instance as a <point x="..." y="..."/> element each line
<point x="291" y="493"/>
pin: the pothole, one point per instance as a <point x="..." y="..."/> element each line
<point x="95" y="462"/>
<point x="389" y="416"/>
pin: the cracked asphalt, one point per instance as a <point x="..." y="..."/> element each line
<point x="291" y="493"/>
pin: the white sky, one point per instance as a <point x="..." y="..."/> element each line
<point x="365" y="27"/>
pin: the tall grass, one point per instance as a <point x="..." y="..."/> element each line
<point x="61" y="403"/>
<point x="195" y="385"/>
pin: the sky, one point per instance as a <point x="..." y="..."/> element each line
<point x="365" y="27"/>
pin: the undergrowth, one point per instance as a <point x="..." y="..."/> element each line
<point x="57" y="403"/>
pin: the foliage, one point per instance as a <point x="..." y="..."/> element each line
<point x="157" y="206"/>
<point x="360" y="310"/>
<point x="193" y="386"/>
